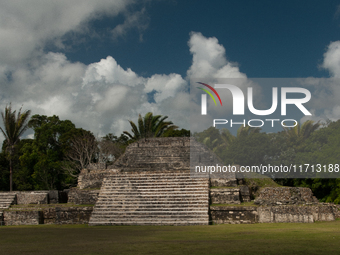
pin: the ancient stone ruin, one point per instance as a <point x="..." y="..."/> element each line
<point x="151" y="184"/>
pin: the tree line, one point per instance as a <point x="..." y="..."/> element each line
<point x="59" y="150"/>
<point x="307" y="143"/>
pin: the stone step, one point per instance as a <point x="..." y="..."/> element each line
<point x="6" y="199"/>
<point x="160" y="184"/>
<point x="151" y="193"/>
<point x="157" y="180"/>
<point x="153" y="189"/>
<point x="171" y="222"/>
<point x="151" y="207"/>
<point x="154" y="185"/>
<point x="137" y="217"/>
<point x="146" y="209"/>
<point x="151" y="199"/>
<point x="150" y="217"/>
<point x="149" y="175"/>
<point x="155" y="203"/>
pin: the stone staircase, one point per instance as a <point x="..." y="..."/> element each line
<point x="152" y="198"/>
<point x="6" y="199"/>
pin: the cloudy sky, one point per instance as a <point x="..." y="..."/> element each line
<point x="101" y="63"/>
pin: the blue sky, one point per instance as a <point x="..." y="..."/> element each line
<point x="101" y="63"/>
<point x="266" y="38"/>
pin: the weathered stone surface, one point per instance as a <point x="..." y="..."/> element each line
<point x="271" y="214"/>
<point x="225" y="196"/>
<point x="323" y="213"/>
<point x="83" y="197"/>
<point x="32" y="197"/>
<point x="1" y="218"/>
<point x="336" y="211"/>
<point x="245" y="193"/>
<point x="285" y="196"/>
<point x="53" y="196"/>
<point x="23" y="217"/>
<point x="91" y="179"/>
<point x="171" y="153"/>
<point x="234" y="214"/>
<point x="222" y="182"/>
<point x="49" y="215"/>
<point x="295" y="213"/>
<point x="73" y="215"/>
<point x="152" y="198"/>
<point x="7" y="199"/>
<point x="96" y="166"/>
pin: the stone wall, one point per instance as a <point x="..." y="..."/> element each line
<point x="336" y="210"/>
<point x="225" y="196"/>
<point x="23" y="217"/>
<point x="1" y="218"/>
<point x="73" y="215"/>
<point x="53" y="215"/>
<point x="92" y="179"/>
<point x="166" y="153"/>
<point x="245" y="194"/>
<point x="32" y="197"/>
<point x="295" y="214"/>
<point x="222" y="182"/>
<point x="83" y="197"/>
<point x="271" y="214"/>
<point x="285" y="196"/>
<point x="233" y="214"/>
<point x="49" y="215"/>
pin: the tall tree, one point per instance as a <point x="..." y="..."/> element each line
<point x="150" y="126"/>
<point x="81" y="151"/>
<point x="46" y="155"/>
<point x="14" y="127"/>
<point x="301" y="131"/>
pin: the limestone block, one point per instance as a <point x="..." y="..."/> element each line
<point x="78" y="196"/>
<point x="225" y="196"/>
<point x="32" y="197"/>
<point x="73" y="215"/>
<point x="234" y="214"/>
<point x="23" y="217"/>
<point x="222" y="182"/>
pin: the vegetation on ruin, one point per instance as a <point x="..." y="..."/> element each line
<point x="243" y="239"/>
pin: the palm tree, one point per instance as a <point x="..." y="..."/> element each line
<point x="247" y="130"/>
<point x="149" y="126"/>
<point x="301" y="132"/>
<point x="14" y="127"/>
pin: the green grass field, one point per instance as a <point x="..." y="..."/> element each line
<point x="284" y="238"/>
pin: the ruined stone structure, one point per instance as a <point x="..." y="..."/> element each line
<point x="151" y="198"/>
<point x="285" y="196"/>
<point x="153" y="183"/>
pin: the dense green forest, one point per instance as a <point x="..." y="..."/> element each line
<point x="309" y="143"/>
<point x="59" y="150"/>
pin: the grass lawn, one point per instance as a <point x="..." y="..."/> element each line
<point x="283" y="238"/>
